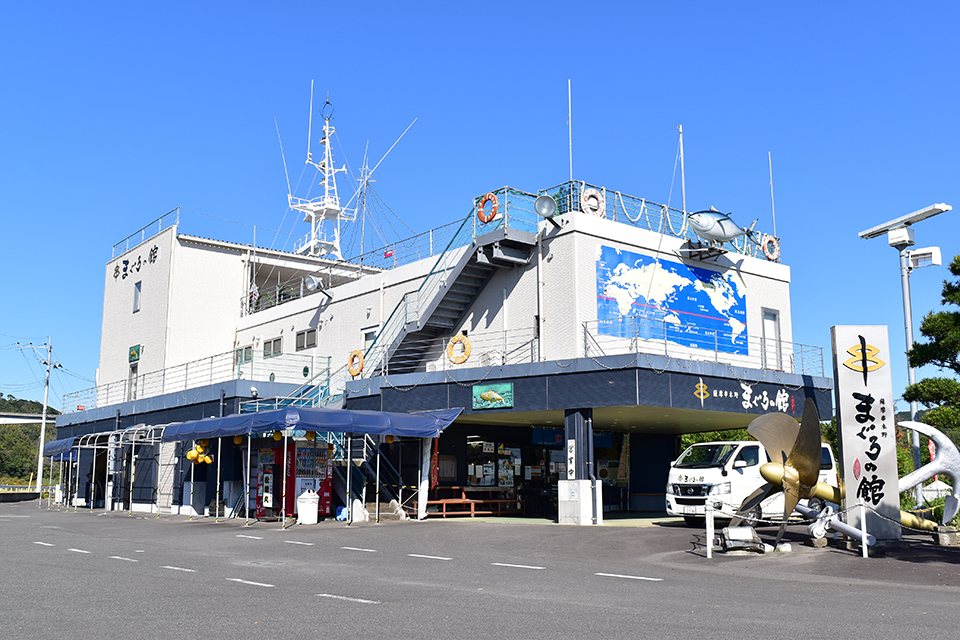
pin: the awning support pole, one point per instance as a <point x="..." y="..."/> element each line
<point x="193" y="468"/>
<point x="377" y="492"/>
<point x="246" y="500"/>
<point x="219" y="450"/>
<point x="133" y="475"/>
<point x="106" y="477"/>
<point x="349" y="477"/>
<point x="424" y="486"/>
<point x="283" y="480"/>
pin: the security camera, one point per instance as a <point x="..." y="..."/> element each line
<point x="253" y="391"/>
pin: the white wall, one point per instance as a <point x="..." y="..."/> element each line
<point x="149" y="263"/>
<point x="207" y="287"/>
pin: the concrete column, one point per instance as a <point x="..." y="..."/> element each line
<point x="577" y="494"/>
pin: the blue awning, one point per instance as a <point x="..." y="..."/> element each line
<point x="427" y="424"/>
<point x="54" y="447"/>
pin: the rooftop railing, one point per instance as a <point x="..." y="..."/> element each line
<point x="635" y="334"/>
<point x="167" y="220"/>
<point x="243" y="364"/>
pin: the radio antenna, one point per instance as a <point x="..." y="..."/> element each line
<point x="773" y="209"/>
<point x="309" y="124"/>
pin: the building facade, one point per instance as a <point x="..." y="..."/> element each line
<point x="580" y="345"/>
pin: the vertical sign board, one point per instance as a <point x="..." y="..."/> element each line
<point x="865" y="412"/>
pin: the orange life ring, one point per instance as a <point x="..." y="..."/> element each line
<point x="458" y="358"/>
<point x="356" y="362"/>
<point x="490" y="197"/>
<point x="771" y="247"/>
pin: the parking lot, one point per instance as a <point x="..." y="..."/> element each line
<point x="88" y="573"/>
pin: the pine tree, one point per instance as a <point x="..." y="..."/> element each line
<point x="942" y="349"/>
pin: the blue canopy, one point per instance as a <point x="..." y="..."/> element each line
<point x="54" y="447"/>
<point x="427" y="424"/>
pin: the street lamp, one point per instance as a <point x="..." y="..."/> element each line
<point x="900" y="237"/>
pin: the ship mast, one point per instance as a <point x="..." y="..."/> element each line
<point x="324" y="212"/>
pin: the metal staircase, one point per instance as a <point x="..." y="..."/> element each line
<point x="437" y="307"/>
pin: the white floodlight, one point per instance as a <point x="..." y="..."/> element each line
<point x="900" y="237"/>
<point x="546" y="207"/>
<point x="925" y="257"/>
<point x="905" y="221"/>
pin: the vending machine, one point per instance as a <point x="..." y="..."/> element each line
<point x="270" y="488"/>
<point x="314" y="472"/>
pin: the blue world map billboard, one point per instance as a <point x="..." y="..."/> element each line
<point x="640" y="297"/>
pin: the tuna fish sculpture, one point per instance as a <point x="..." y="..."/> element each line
<point x="717" y="228"/>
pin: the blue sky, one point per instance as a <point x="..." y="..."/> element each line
<point x="115" y="113"/>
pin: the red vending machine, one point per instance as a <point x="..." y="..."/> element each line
<point x="314" y="472"/>
<point x="270" y="490"/>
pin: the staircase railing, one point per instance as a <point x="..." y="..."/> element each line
<point x="412" y="303"/>
<point x="515" y="211"/>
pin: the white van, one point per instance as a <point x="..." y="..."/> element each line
<point x="726" y="473"/>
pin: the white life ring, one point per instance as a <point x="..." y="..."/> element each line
<point x="593" y="202"/>
<point x="771" y="247"/>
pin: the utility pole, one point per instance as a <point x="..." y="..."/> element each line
<point x="43" y="420"/>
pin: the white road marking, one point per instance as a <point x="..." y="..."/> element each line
<point x="335" y="597"/>
<point x="122" y="558"/>
<point x="78" y="550"/>
<point x="14" y="516"/>
<point x="256" y="584"/>
<point x="45" y="544"/>
<point x="139" y="551"/>
<point x="417" y="555"/>
<point x="516" y="566"/>
<point x="308" y="544"/>
<point x="617" y="575"/>
<point x="179" y="569"/>
<point x="240" y="535"/>
<point x="359" y="549"/>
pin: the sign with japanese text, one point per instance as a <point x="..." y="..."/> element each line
<point x="128" y="266"/>
<point x="865" y="425"/>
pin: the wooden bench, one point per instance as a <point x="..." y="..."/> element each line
<point x="482" y="503"/>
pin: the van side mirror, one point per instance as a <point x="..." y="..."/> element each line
<point x="739" y="464"/>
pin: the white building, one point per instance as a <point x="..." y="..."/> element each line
<point x="609" y="315"/>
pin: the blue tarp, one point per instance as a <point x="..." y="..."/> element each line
<point x="428" y="424"/>
<point x="54" y="447"/>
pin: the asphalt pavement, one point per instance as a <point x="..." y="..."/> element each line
<point x="89" y="574"/>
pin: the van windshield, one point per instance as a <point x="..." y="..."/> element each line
<point x="705" y="455"/>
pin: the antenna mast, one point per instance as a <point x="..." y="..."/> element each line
<point x="570" y="126"/>
<point x="773" y="209"/>
<point x="324" y="213"/>
<point x="683" y="180"/>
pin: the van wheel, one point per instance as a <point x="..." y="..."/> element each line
<point x="816" y="504"/>
<point x="695" y="521"/>
<point x="753" y="517"/>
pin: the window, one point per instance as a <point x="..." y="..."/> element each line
<point x="750" y="455"/>
<point x="244" y="355"/>
<point x="771" y="339"/>
<point x="306" y="339"/>
<point x="272" y="348"/>
<point x="132" y="382"/>
<point x="136" y="296"/>
<point x="369" y="337"/>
